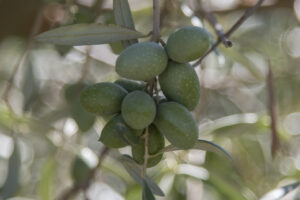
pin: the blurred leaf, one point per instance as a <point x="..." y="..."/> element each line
<point x="135" y="172"/>
<point x="205" y="146"/>
<point x="123" y="17"/>
<point x="147" y="194"/>
<point x="30" y="87"/>
<point x="45" y="186"/>
<point x="12" y="180"/>
<point x="229" y="121"/>
<point x="88" y="34"/>
<point x="80" y="170"/>
<point x="278" y="193"/>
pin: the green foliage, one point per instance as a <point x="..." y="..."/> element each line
<point x="87" y="34"/>
<point x="80" y="170"/>
<point x="180" y="83"/>
<point x="138" y="110"/>
<point x="142" y="61"/>
<point x="187" y="44"/>
<point x="177" y="124"/>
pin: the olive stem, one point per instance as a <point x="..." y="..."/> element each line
<point x="156" y="21"/>
<point x="146" y="154"/>
<point x="239" y="22"/>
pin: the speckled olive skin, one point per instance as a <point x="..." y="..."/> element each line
<point x="142" y="61"/>
<point x="117" y="134"/>
<point x="156" y="143"/>
<point x="177" y="124"/>
<point x="138" y="109"/>
<point x="180" y="83"/>
<point x="187" y="44"/>
<point x="130" y="85"/>
<point x="103" y="98"/>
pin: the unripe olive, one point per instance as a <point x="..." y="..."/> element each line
<point x="103" y="98"/>
<point x="117" y="134"/>
<point x="80" y="170"/>
<point x="156" y="143"/>
<point x="187" y="44"/>
<point x="138" y="109"/>
<point x="177" y="124"/>
<point x="142" y="61"/>
<point x="180" y="83"/>
<point x="131" y="85"/>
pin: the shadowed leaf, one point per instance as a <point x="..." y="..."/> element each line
<point x="88" y="34"/>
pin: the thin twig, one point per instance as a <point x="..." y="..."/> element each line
<point x="156" y="21"/>
<point x="216" y="26"/>
<point x="273" y="113"/>
<point x="146" y="154"/>
<point x="241" y="20"/>
<point x="76" y="188"/>
<point x="85" y="66"/>
<point x="164" y="12"/>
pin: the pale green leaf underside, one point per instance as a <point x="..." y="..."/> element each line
<point x="205" y="146"/>
<point x="88" y="34"/>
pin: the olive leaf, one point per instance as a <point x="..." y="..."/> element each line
<point x="135" y="172"/>
<point x="278" y="193"/>
<point x="201" y="145"/>
<point x="88" y="34"/>
<point x="46" y="183"/>
<point x="12" y="180"/>
<point x="147" y="193"/>
<point x="123" y="17"/>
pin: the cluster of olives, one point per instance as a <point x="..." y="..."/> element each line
<point x="133" y="108"/>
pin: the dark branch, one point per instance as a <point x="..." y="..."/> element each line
<point x="241" y="20"/>
<point x="76" y="188"/>
<point x="215" y="24"/>
<point x="156" y="21"/>
<point x="273" y="114"/>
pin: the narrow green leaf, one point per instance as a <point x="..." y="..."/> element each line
<point x="45" y="187"/>
<point x="147" y="193"/>
<point x="123" y="17"/>
<point x="88" y="34"/>
<point x="202" y="145"/>
<point x="12" y="180"/>
<point x="135" y="172"/>
<point x="30" y="87"/>
<point x="278" y="193"/>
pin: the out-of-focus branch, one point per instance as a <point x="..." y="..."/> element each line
<point x="215" y="24"/>
<point x="35" y="29"/>
<point x="240" y="21"/>
<point x="156" y="21"/>
<point x="164" y="12"/>
<point x="273" y="112"/>
<point x="76" y="188"/>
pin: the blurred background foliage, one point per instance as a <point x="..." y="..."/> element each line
<point x="47" y="141"/>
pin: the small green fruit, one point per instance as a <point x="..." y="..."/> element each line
<point x="187" y="44"/>
<point x="80" y="170"/>
<point x="130" y="85"/>
<point x="138" y="109"/>
<point x="117" y="134"/>
<point x="177" y="124"/>
<point x="180" y="83"/>
<point x="156" y="143"/>
<point x="103" y="98"/>
<point x="142" y="61"/>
